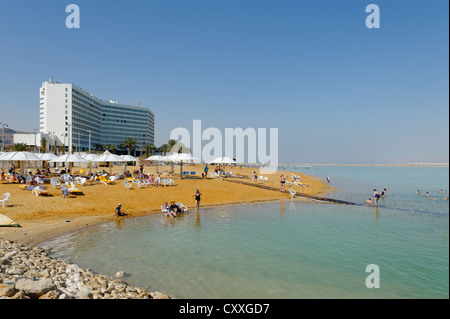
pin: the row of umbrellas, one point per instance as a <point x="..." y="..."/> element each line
<point x="67" y="158"/>
<point x="105" y="157"/>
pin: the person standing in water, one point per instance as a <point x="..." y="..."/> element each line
<point x="197" y="199"/>
<point x="383" y="193"/>
<point x="376" y="196"/>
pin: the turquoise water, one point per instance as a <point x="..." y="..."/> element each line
<point x="287" y="249"/>
<point x="356" y="184"/>
<point x="274" y="250"/>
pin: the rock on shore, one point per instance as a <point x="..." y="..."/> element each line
<point x="30" y="273"/>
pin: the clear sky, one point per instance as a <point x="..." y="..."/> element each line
<point x="337" y="91"/>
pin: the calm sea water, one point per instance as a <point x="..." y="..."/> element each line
<point x="356" y="184"/>
<point x="285" y="249"/>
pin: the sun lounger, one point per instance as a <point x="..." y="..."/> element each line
<point x="26" y="187"/>
<point x="38" y="191"/>
<point x="105" y="181"/>
<point x="92" y="180"/>
<point x="74" y="190"/>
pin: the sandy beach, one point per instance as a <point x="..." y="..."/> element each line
<point x="46" y="217"/>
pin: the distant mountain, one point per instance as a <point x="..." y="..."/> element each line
<point x="9" y="135"/>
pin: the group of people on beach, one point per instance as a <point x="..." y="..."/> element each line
<point x="171" y="210"/>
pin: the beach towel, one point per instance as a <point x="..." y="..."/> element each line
<point x="7" y="222"/>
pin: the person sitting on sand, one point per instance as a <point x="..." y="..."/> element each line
<point x="369" y="201"/>
<point x="167" y="211"/>
<point x="119" y="211"/>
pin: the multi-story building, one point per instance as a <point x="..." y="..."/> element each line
<point x="73" y="117"/>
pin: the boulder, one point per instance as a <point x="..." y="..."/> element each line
<point x="35" y="288"/>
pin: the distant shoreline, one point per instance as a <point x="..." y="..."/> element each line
<point x="400" y="165"/>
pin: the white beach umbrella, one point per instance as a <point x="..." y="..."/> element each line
<point x="90" y="157"/>
<point x="109" y="158"/>
<point x="126" y="159"/>
<point x="129" y="158"/>
<point x="156" y="158"/>
<point x="178" y="157"/>
<point x="46" y="156"/>
<point x="223" y="160"/>
<point x="69" y="158"/>
<point x="19" y="156"/>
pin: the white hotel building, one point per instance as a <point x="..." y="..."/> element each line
<point x="71" y="116"/>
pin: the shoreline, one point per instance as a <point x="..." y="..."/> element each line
<point x="27" y="270"/>
<point x="44" y="218"/>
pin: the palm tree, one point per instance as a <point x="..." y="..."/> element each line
<point x="19" y="147"/>
<point x="43" y="144"/>
<point x="148" y="147"/>
<point x="164" y="148"/>
<point x="130" y="143"/>
<point x="171" y="144"/>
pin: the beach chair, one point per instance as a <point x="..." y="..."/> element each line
<point x="292" y="192"/>
<point x="266" y="179"/>
<point x="105" y="181"/>
<point x="64" y="190"/>
<point x="183" y="208"/>
<point x="66" y="178"/>
<point x="80" y="180"/>
<point x="39" y="191"/>
<point x="163" y="182"/>
<point x="55" y="182"/>
<point x="127" y="184"/>
<point x="261" y="178"/>
<point x="165" y="211"/>
<point x="4" y="199"/>
<point x="170" y="182"/>
<point x="139" y="184"/>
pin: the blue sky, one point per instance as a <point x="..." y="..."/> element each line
<point x="337" y="91"/>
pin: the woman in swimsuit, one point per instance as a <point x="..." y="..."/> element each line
<point x="282" y="182"/>
<point x="197" y="199"/>
<point x="376" y="196"/>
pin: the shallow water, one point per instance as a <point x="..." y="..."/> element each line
<point x="272" y="250"/>
<point x="356" y="184"/>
